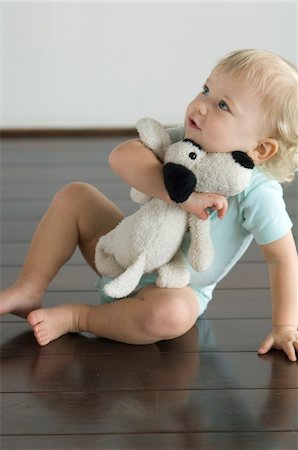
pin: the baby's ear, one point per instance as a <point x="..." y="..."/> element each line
<point x="265" y="149"/>
<point x="153" y="135"/>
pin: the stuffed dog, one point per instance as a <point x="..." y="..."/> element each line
<point x="150" y="239"/>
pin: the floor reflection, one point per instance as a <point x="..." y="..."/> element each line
<point x="103" y="386"/>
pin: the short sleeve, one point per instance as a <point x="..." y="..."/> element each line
<point x="176" y="133"/>
<point x="263" y="212"/>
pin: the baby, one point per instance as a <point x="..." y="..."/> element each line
<point x="248" y="103"/>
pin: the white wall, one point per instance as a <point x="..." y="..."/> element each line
<point x="97" y="64"/>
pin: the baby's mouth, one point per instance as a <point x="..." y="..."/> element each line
<point x="193" y="124"/>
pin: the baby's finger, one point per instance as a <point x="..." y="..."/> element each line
<point x="295" y="343"/>
<point x="289" y="349"/>
<point x="203" y="214"/>
<point x="222" y="206"/>
<point x="266" y="345"/>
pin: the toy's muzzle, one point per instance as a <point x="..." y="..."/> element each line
<point x="180" y="182"/>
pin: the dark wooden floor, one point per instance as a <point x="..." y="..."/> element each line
<point x="206" y="390"/>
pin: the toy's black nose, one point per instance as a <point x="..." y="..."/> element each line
<point x="179" y="181"/>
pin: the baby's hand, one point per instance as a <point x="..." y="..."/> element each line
<point x="281" y="338"/>
<point x="197" y="204"/>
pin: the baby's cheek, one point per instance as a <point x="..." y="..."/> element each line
<point x="216" y="132"/>
<point x="222" y="131"/>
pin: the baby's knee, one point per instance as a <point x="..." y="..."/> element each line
<point x="72" y="190"/>
<point x="72" y="195"/>
<point x="171" y="317"/>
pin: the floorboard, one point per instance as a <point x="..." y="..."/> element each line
<point x="216" y="335"/>
<point x="15" y="253"/>
<point x="227" y="303"/>
<point x="151" y="371"/>
<point x="246" y="275"/>
<point x="205" y="390"/>
<point x="149" y="411"/>
<point x="157" y="441"/>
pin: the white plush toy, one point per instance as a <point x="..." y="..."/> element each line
<point x="150" y="239"/>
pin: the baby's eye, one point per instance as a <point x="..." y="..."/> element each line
<point x="205" y="90"/>
<point x="222" y="104"/>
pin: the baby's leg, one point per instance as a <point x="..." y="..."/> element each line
<point x="78" y="215"/>
<point x="154" y="314"/>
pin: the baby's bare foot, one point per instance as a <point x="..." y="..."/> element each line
<point x="49" y="324"/>
<point x="19" y="299"/>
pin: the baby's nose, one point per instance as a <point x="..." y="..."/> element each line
<point x="201" y="107"/>
<point x="180" y="182"/>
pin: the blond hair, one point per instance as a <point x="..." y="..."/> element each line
<point x="276" y="81"/>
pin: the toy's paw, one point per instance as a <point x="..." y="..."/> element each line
<point x="172" y="277"/>
<point x="201" y="260"/>
<point x="139" y="197"/>
<point x="201" y="250"/>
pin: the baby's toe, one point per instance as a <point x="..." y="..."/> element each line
<point x="35" y="317"/>
<point x="42" y="336"/>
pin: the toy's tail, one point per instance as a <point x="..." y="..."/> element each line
<point x="126" y="282"/>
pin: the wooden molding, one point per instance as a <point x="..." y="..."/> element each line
<point x="22" y="133"/>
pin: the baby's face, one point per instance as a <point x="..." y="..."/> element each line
<point x="225" y="116"/>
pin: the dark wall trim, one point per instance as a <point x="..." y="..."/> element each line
<point x="21" y="133"/>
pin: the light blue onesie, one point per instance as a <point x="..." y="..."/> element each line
<point x="259" y="212"/>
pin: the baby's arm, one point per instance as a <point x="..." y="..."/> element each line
<point x="139" y="167"/>
<point x="281" y="257"/>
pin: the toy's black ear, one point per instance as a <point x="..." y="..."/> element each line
<point x="243" y="159"/>
<point x="193" y="143"/>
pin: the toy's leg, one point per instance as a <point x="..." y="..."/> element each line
<point x="173" y="274"/>
<point x="201" y="251"/>
<point x="78" y="215"/>
<point x="128" y="280"/>
<point x="106" y="264"/>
